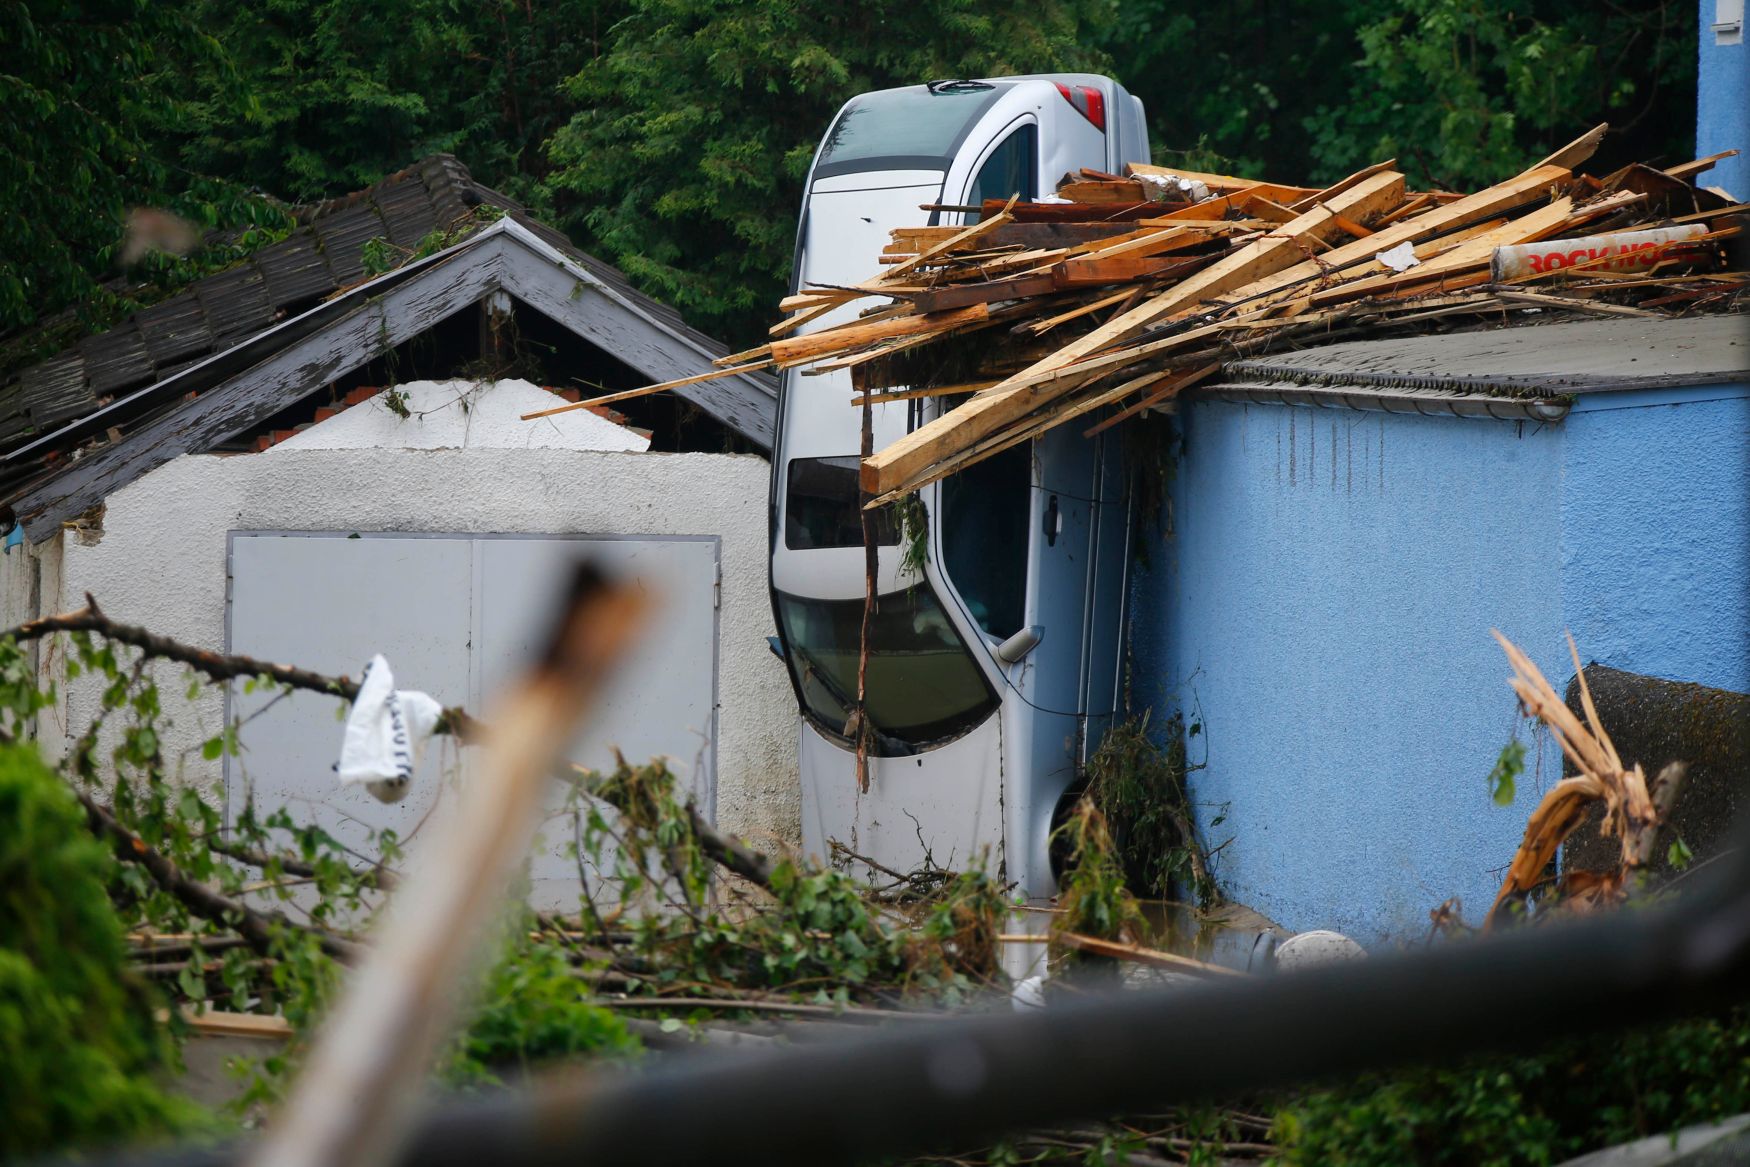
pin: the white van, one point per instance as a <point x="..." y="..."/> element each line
<point x="992" y="676"/>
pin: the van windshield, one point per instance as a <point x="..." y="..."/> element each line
<point x="924" y="685"/>
<point x="914" y="124"/>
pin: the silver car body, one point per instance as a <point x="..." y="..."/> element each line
<point x="974" y="751"/>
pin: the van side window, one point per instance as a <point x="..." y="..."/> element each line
<point x="984" y="537"/>
<point x="823" y="507"/>
<point x="1010" y="170"/>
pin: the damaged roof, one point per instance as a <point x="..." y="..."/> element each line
<point x="113" y="388"/>
<point x="1521" y="371"/>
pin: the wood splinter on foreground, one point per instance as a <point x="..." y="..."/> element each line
<point x="1633" y="811"/>
<point x="351" y="1105"/>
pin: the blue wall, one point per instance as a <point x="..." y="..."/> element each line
<point x="1722" y="106"/>
<point x="1323" y="605"/>
<point x="1656" y="534"/>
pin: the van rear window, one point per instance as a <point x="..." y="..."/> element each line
<point x="908" y="123"/>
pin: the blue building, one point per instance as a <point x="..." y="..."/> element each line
<point x="1722" y="100"/>
<point x="1346" y="526"/>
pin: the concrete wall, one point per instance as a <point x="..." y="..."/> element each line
<point x="1322" y="608"/>
<point x="160" y="562"/>
<point x="1722" y="105"/>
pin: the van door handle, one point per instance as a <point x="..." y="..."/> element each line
<point x="1053" y="522"/>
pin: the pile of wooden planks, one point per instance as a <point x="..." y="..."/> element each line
<point x="1122" y="291"/>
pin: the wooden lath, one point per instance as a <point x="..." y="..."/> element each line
<point x="1153" y="298"/>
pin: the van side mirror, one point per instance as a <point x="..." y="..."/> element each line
<point x="1020" y="644"/>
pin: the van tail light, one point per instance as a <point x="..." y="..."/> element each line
<point x="1089" y="102"/>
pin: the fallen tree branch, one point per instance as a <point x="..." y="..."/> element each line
<point x="254" y="926"/>
<point x="216" y="666"/>
<point x="729" y="852"/>
<point x="378" y="876"/>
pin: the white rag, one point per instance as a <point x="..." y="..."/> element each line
<point x="1400" y="258"/>
<point x="385" y="733"/>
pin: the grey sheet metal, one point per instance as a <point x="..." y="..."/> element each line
<point x="1522" y="371"/>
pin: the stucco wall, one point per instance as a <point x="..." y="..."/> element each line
<point x="161" y="562"/>
<point x="1722" y="105"/>
<point x="1323" y="604"/>
<point x="1656" y="534"/>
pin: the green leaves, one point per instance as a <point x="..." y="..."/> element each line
<point x="693" y="128"/>
<point x="1508" y="767"/>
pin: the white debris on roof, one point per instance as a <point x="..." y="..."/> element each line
<point x="1189" y="189"/>
<point x="1400" y="258"/>
<point x="449" y="415"/>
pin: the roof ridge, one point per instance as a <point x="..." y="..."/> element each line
<point x="305" y="214"/>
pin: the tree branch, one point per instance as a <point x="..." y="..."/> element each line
<point x="379" y="876"/>
<point x="217" y="666"/>
<point x="730" y="852"/>
<point x="255" y="927"/>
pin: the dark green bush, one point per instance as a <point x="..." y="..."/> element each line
<point x="1540" y="1108"/>
<point x="78" y="1039"/>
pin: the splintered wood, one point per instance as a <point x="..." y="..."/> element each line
<point x="1126" y="289"/>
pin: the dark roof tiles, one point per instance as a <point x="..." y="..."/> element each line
<point x="322" y="255"/>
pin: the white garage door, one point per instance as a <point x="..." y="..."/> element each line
<point x="457" y="616"/>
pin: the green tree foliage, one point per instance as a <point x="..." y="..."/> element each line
<point x="355" y="89"/>
<point x="82" y="91"/>
<point x="695" y="126"/>
<point x="671" y="136"/>
<point x="531" y="1011"/>
<point x="1462" y="92"/>
<point x="77" y="1034"/>
<point x="1541" y="1108"/>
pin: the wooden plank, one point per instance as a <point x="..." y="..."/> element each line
<point x="1041" y="213"/>
<point x="1096" y="193"/>
<point x="964" y="237"/>
<point x="931" y="391"/>
<point x="1343" y="184"/>
<point x="1415" y="205"/>
<point x="1575" y="303"/>
<point x="647" y="390"/>
<point x="1688" y="170"/>
<point x="215" y="1023"/>
<point x="909" y="455"/>
<point x="1149" y="956"/>
<point x="1217" y="183"/>
<point x="1040" y="327"/>
<point x="848" y="337"/>
<point x="1039" y="384"/>
<point x="1376" y="277"/>
<point x="1154" y="397"/>
<point x="1577" y="151"/>
<point x="1464" y="212"/>
<point x="1544" y="223"/>
<point x="1095" y="271"/>
<point x="1228" y="204"/>
<point x="960" y="295"/>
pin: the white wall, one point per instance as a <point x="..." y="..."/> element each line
<point x="471" y="414"/>
<point x="161" y="560"/>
